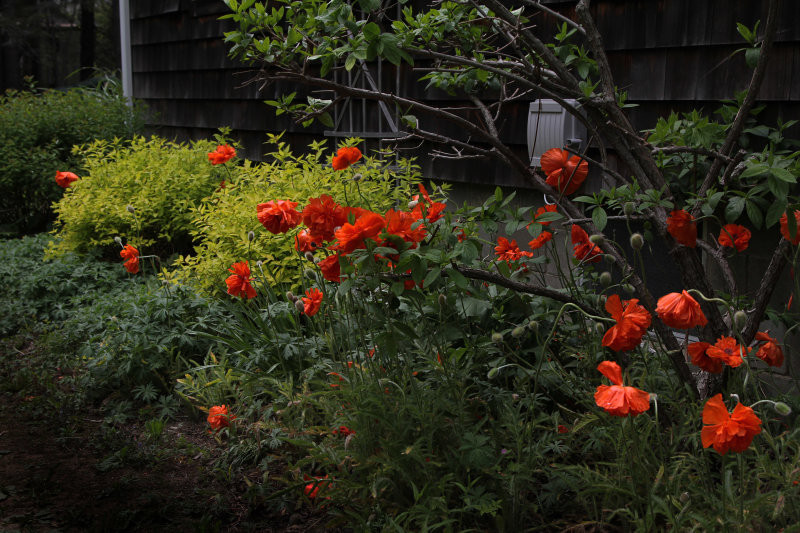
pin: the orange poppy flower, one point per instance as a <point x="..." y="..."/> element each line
<point x="734" y="236"/>
<point x="549" y="208"/>
<point x="322" y="216"/>
<point x="509" y="251"/>
<point x="312" y="488"/>
<point x="770" y="352"/>
<point x="278" y="216"/>
<point x="344" y="431"/>
<point x="345" y="156"/>
<point x="312" y="301"/>
<point x="785" y="228"/>
<point x="564" y="173"/>
<point x="682" y="227"/>
<point x="353" y="236"/>
<point x="132" y="255"/>
<point x="632" y="323"/>
<point x="222" y="154"/>
<point x="680" y="310"/>
<point x="617" y="399"/>
<point x="239" y="282"/>
<point x="543" y="238"/>
<point x="433" y="210"/>
<point x="698" y="353"/>
<point x="306" y="242"/>
<point x="404" y="225"/>
<point x="330" y="268"/>
<point x="725" y="431"/>
<point x="65" y="179"/>
<point x="728" y="351"/>
<point x="585" y="250"/>
<point x="219" y="418"/>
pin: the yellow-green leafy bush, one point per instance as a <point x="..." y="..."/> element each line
<point x="163" y="181"/>
<point x="223" y="221"/>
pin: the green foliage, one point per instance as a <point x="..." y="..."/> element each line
<point x="37" y="132"/>
<point x="221" y="223"/>
<point x="162" y="180"/>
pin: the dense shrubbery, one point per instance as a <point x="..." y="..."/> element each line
<point x="38" y="130"/>
<point x="160" y="180"/>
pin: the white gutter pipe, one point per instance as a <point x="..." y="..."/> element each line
<point x="125" y="49"/>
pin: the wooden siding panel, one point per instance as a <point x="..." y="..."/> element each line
<point x="149" y="8"/>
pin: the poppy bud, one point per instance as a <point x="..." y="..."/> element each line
<point x="131" y="209"/>
<point x="605" y="279"/>
<point x="357" y="177"/>
<point x="298" y="304"/>
<point x="118" y="240"/>
<point x="251" y="236"/>
<point x="442" y="300"/>
<point x="533" y="326"/>
<point x="628" y="208"/>
<point x="310" y="274"/>
<point x="610" y="259"/>
<point x="492" y="373"/>
<point x="518" y="332"/>
<point x="290" y="296"/>
<point x="684" y="497"/>
<point x="597" y="238"/>
<point x="637" y="241"/>
<point x="497" y="338"/>
<point x="259" y="263"/>
<point x="309" y="256"/>
<point x="628" y="288"/>
<point x="782" y="409"/>
<point x="515" y="396"/>
<point x="739" y="319"/>
<point x="599" y="328"/>
<point x="412" y="204"/>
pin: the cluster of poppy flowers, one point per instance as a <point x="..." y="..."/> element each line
<point x="683" y="228"/>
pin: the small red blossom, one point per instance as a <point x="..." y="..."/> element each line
<point x="239" y="281"/>
<point x="278" y="216"/>
<point x="548" y="208"/>
<point x="680" y="310"/>
<point x="564" y="173"/>
<point x="312" y="301"/>
<point x="433" y="210"/>
<point x="344" y="431"/>
<point x="509" y="251"/>
<point x="543" y="238"/>
<point x="734" y="236"/>
<point x="728" y="351"/>
<point x="353" y="236"/>
<point x="632" y="323"/>
<point x="219" y="418"/>
<point x="132" y="255"/>
<point x="785" y="228"/>
<point x="725" y="431"/>
<point x="222" y="154"/>
<point x="65" y="179"/>
<point x="322" y="216"/>
<point x="312" y="489"/>
<point x="698" y="351"/>
<point x="345" y="156"/>
<point x="405" y="225"/>
<point x="331" y="269"/>
<point x="306" y="242"/>
<point x="682" y="227"/>
<point x="563" y="429"/>
<point x="616" y="399"/>
<point x="584" y="249"/>
<point x="770" y="352"/>
<point x="337" y="375"/>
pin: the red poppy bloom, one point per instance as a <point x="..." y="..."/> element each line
<point x="563" y="429"/>
<point x="405" y="225"/>
<point x="331" y="269"/>
<point x="564" y="173"/>
<point x="727" y="350"/>
<point x="305" y="242"/>
<point x="346" y="156"/>
<point x="682" y="227"/>
<point x="433" y="211"/>
<point x="680" y="310"/>
<point x="219" y="418"/>
<point x="278" y="216"/>
<point x="698" y="353"/>
<point x="312" y="488"/>
<point x="549" y="208"/>
<point x="509" y="251"/>
<point x="632" y="323"/>
<point x="65" y="179"/>
<point x="770" y="352"/>
<point x="585" y="250"/>
<point x="344" y="431"/>
<point x="311" y="301"/>
<point x="543" y="238"/>
<point x="617" y="399"/>
<point x="785" y="228"/>
<point x="734" y="236"/>
<point x="132" y="255"/>
<point x="725" y="431"/>
<point x="352" y="236"/>
<point x="322" y="216"/>
<point x="222" y="154"/>
<point x="239" y="282"/>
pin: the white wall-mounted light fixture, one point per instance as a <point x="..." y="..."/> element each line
<point x="551" y="126"/>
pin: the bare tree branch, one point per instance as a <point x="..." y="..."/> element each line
<point x="764" y="292"/>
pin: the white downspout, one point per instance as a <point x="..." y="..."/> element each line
<point x="125" y="49"/>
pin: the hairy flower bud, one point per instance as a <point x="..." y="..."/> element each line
<point x="628" y="208"/>
<point x="298" y="304"/>
<point x="251" y="236"/>
<point x="492" y="373"/>
<point x="518" y="332"/>
<point x="131" y="209"/>
<point x="310" y="274"/>
<point x="610" y="259"/>
<point x="309" y="256"/>
<point x="637" y="241"/>
<point x="605" y="279"/>
<point x="118" y="240"/>
<point x="442" y="300"/>
<point x="599" y="328"/>
<point x="628" y="288"/>
<point x="782" y="409"/>
<point x="739" y="319"/>
<point x="497" y="338"/>
<point x="597" y="239"/>
<point x="290" y="296"/>
<point x="533" y="326"/>
<point x="357" y="177"/>
<point x="412" y="204"/>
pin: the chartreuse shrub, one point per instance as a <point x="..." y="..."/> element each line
<point x="38" y="130"/>
<point x="222" y="223"/>
<point x="161" y="181"/>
